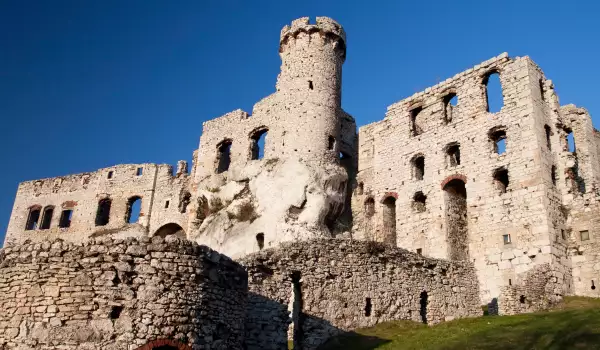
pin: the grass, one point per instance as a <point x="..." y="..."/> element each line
<point x="575" y="324"/>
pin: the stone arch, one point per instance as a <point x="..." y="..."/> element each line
<point x="170" y="229"/>
<point x="165" y="344"/>
<point x="258" y="136"/>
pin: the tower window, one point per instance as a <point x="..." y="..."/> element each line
<point x="260" y="240"/>
<point x="369" y="207"/>
<point x="33" y="218"/>
<point x="584" y="235"/>
<point x="139" y="171"/>
<point x="548" y="134"/>
<point x="47" y="218"/>
<point x="493" y="92"/>
<point x="134" y="206"/>
<point x="103" y="212"/>
<point x="506" y="239"/>
<point x="310" y="85"/>
<point x="498" y="138"/>
<point x="450" y="101"/>
<point x="418" y="165"/>
<point x="501" y="179"/>
<point x="453" y="154"/>
<point x="223" y="156"/>
<point x="110" y="174"/>
<point x="257" y="148"/>
<point x="419" y="202"/>
<point x="415" y="126"/>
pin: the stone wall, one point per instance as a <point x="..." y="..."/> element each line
<point x="120" y="294"/>
<point x="324" y="287"/>
<point x="154" y="184"/>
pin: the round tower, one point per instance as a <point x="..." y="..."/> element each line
<point x="309" y="86"/>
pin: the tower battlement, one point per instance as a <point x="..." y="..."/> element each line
<point x="325" y="25"/>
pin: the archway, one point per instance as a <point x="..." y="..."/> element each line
<point x="455" y="198"/>
<point x="170" y="229"/>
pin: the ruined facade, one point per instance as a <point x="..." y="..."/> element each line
<point x="441" y="175"/>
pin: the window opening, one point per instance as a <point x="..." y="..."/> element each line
<point x="389" y="220"/>
<point x="260" y="240"/>
<point x="369" y="207"/>
<point x="501" y="179"/>
<point x="455" y="198"/>
<point x="368" y="307"/>
<point x="498" y="137"/>
<point x="167" y="204"/>
<point x="548" y="134"/>
<point x="522" y="299"/>
<point x="424" y="301"/>
<point x="65" y="218"/>
<point x="570" y="141"/>
<point x="103" y="212"/>
<point x="330" y="142"/>
<point x="33" y="218"/>
<point x="450" y="102"/>
<point x="361" y="188"/>
<point x="139" y="171"/>
<point x="453" y="154"/>
<point x="134" y="207"/>
<point x="419" y="251"/>
<point x="553" y="174"/>
<point x="223" y="156"/>
<point x="184" y="202"/>
<point x="257" y="148"/>
<point x="110" y="174"/>
<point x="585" y="235"/>
<point x="310" y="84"/>
<point x="414" y="123"/>
<point x="419" y="200"/>
<point x="493" y="92"/>
<point x="47" y="218"/>
<point x="506" y="239"/>
<point x="419" y="167"/>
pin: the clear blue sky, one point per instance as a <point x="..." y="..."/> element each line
<point x="88" y="84"/>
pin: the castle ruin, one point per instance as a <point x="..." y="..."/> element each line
<point x="509" y="199"/>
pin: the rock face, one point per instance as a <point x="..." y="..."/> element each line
<point x="259" y="205"/>
<point x="313" y="290"/>
<point x="120" y="294"/>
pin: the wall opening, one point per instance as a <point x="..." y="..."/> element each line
<point x="419" y="202"/>
<point x="522" y="299"/>
<point x="110" y="174"/>
<point x="424" y="301"/>
<point x="369" y="207"/>
<point x="223" y="156"/>
<point x="134" y="207"/>
<point x="65" y="218"/>
<point x="103" y="212"/>
<point x="553" y="174"/>
<point x="453" y="154"/>
<point x="389" y="221"/>
<point x="450" y="101"/>
<point x="330" y="143"/>
<point x="506" y="239"/>
<point x="47" y="218"/>
<point x="419" y="251"/>
<point x="167" y="203"/>
<point x="368" y="307"/>
<point x="501" y="179"/>
<point x="257" y="147"/>
<point x="297" y="314"/>
<point x="593" y="286"/>
<point x="310" y="85"/>
<point x="260" y="240"/>
<point x="184" y="201"/>
<point x="169" y="230"/>
<point x="115" y="312"/>
<point x="418" y="167"/>
<point x="415" y="127"/>
<point x="569" y="141"/>
<point x="360" y="189"/>
<point x="33" y="218"/>
<point x="548" y="131"/>
<point x="139" y="171"/>
<point x="541" y="83"/>
<point x="493" y="92"/>
<point x="347" y="162"/>
<point x="584" y="235"/>
<point x="498" y="138"/>
<point x="455" y="197"/>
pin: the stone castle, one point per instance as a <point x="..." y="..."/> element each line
<point x="440" y="207"/>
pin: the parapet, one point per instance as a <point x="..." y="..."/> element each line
<point x="120" y="294"/>
<point x="325" y="25"/>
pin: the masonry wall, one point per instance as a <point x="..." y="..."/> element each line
<point x="81" y="193"/>
<point x="325" y="287"/>
<point x="522" y="210"/>
<point x="120" y="294"/>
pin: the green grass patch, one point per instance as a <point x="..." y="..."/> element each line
<point x="575" y="324"/>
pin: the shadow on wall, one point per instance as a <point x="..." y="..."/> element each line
<point x="279" y="323"/>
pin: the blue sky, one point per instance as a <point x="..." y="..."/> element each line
<point x="88" y="84"/>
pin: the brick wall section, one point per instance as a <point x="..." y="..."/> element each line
<point x="335" y="279"/>
<point x="119" y="294"/>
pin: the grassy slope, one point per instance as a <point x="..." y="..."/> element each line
<point x="573" y="325"/>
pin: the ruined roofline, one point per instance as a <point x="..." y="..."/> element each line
<point x="100" y="170"/>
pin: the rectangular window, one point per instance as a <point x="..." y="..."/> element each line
<point x="110" y="174"/>
<point x="140" y="171"/>
<point x="167" y="204"/>
<point x="420" y="251"/>
<point x="562" y="234"/>
<point x="506" y="239"/>
<point x="585" y="235"/>
<point x="65" y="218"/>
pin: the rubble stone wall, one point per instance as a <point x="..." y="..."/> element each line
<point x="324" y="287"/>
<point x="120" y="294"/>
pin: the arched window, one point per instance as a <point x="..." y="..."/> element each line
<point x="389" y="220"/>
<point x="223" y="156"/>
<point x="257" y="146"/>
<point x="416" y="126"/>
<point x="103" y="212"/>
<point x="134" y="207"/>
<point x="47" y="217"/>
<point x="418" y="167"/>
<point x="493" y="92"/>
<point x="450" y="101"/>
<point x="33" y="217"/>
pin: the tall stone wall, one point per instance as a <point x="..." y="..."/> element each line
<point x="120" y="294"/>
<point x="81" y="193"/>
<point x="324" y="287"/>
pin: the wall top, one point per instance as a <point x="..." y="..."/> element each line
<point x="324" y="24"/>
